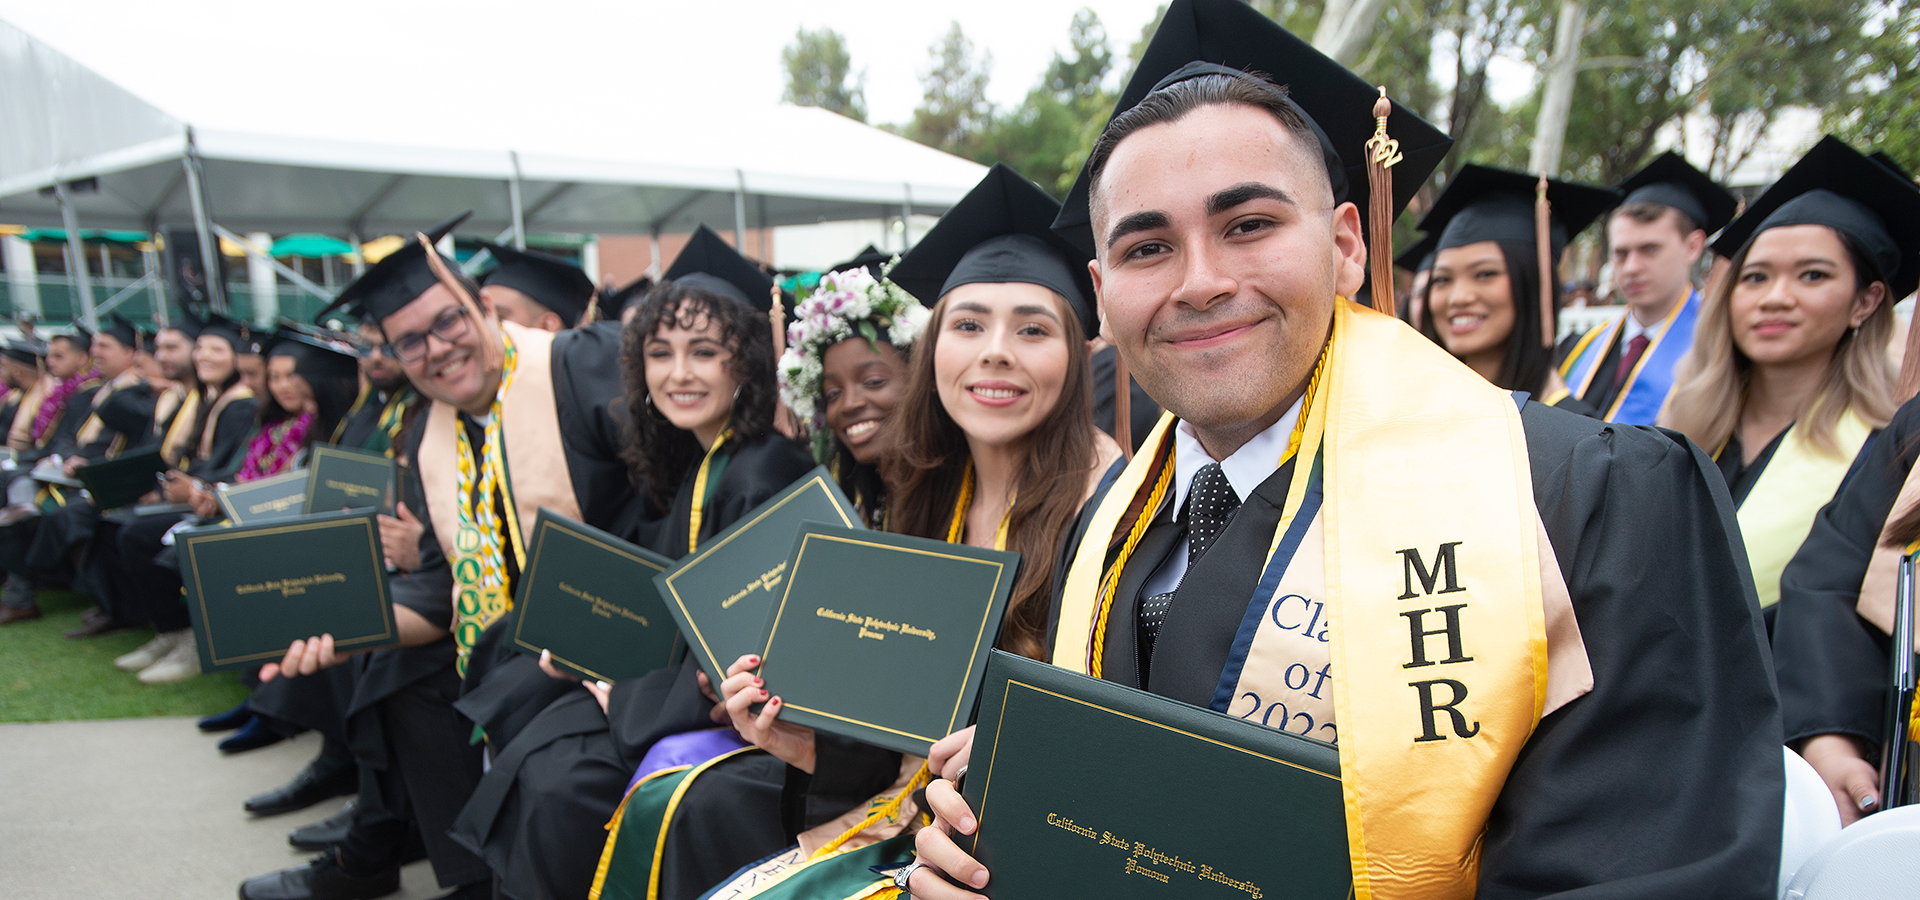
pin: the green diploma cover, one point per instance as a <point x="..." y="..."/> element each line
<point x="589" y="598"/>
<point x="282" y="496"/>
<point x="121" y="482"/>
<point x="720" y="594"/>
<point x="345" y="478"/>
<point x="1086" y="788"/>
<point x="254" y="589"/>
<point x="883" y="637"/>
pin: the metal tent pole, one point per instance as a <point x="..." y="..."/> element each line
<point x="203" y="226"/>
<point x="740" y="212"/>
<point x="906" y="217"/>
<point x="76" y="257"/>
<point x="513" y="200"/>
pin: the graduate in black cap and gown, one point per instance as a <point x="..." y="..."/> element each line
<point x="1225" y="215"/>
<point x="535" y="290"/>
<point x="697" y="361"/>
<point x="223" y="422"/>
<point x="1624" y="369"/>
<point x="1487" y="296"/>
<point x="1788" y="377"/>
<point x="519" y="419"/>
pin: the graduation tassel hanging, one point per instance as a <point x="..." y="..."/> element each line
<point x="445" y="277"/>
<point x="1122" y="406"/>
<point x="1383" y="153"/>
<point x="1543" y="240"/>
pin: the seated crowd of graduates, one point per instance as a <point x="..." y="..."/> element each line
<point x="1632" y="594"/>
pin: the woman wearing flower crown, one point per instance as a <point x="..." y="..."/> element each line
<point x="843" y="373"/>
<point x="992" y="444"/>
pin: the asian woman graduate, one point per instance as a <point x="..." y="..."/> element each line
<point x="1788" y="376"/>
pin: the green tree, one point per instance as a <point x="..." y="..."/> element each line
<point x="820" y="73"/>
<point x="1049" y="135"/>
<point x="954" y="114"/>
<point x="1881" y="109"/>
<point x="1731" y="66"/>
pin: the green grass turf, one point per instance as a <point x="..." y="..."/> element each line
<point x="44" y="677"/>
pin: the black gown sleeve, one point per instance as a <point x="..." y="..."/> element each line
<point x="1667" y="779"/>
<point x="231" y="433"/>
<point x="1832" y="664"/>
<point x="66" y="432"/>
<point x="427" y="590"/>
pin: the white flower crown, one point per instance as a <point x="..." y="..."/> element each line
<point x="847" y="304"/>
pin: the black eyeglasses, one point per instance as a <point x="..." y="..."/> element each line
<point x="449" y="326"/>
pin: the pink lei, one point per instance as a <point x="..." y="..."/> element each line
<point x="274" y="448"/>
<point x="56" y="402"/>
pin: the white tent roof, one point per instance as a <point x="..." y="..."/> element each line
<point x="396" y="163"/>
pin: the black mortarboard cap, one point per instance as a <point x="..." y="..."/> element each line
<point x="22" y="350"/>
<point x="1834" y="185"/>
<point x="1881" y="157"/>
<point x="81" y="336"/>
<point x="1482" y="203"/>
<point x="1231" y="37"/>
<point x="553" y="283"/>
<point x="614" y="302"/>
<point x="235" y="332"/>
<point x="1001" y="231"/>
<point x="870" y="258"/>
<point x="1419" y="257"/>
<point x="121" y="330"/>
<point x="1671" y="181"/>
<point x="395" y="280"/>
<point x="710" y="263"/>
<point x="316" y="354"/>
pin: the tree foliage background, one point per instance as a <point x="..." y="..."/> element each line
<point x="1729" y="68"/>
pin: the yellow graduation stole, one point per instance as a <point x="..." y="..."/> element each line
<point x="1778" y="512"/>
<point x="179" y="436"/>
<point x="1433" y="592"/>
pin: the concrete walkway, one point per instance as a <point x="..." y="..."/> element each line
<point x="146" y="809"/>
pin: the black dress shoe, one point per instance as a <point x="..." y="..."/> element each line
<point x="226" y="721"/>
<point x="323" y="834"/>
<point x="94" y="623"/>
<point x="252" y="735"/>
<point x="321" y="879"/>
<point x="310" y="785"/>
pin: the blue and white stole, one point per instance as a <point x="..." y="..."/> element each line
<point x="1639" y="400"/>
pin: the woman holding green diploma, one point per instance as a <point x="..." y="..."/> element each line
<point x="992" y="445"/>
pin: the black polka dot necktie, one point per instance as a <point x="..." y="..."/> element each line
<point x="1211" y="504"/>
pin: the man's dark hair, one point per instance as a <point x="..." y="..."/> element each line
<point x="1647" y="212"/>
<point x="1173" y="102"/>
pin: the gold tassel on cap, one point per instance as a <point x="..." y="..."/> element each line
<point x="1383" y="153"/>
<point x="1543" y="237"/>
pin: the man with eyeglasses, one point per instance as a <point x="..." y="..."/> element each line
<point x="516" y="419"/>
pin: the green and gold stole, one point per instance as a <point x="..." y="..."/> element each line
<point x="528" y="471"/>
<point x="91" y="428"/>
<point x="179" y="436"/>
<point x="20" y="432"/>
<point x="1779" y="509"/>
<point x="227" y="398"/>
<point x="1437" y="590"/>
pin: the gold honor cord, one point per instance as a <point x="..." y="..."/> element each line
<point x="700" y="490"/>
<point x="957" y="529"/>
<point x="479" y="564"/>
<point x="393" y="416"/>
<point x="1110" y="583"/>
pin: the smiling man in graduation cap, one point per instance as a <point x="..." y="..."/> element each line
<point x="1624" y="369"/>
<point x="519" y="419"/>
<point x="1488" y="651"/>
<point x="535" y="290"/>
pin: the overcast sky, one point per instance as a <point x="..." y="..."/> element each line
<point x="202" y="59"/>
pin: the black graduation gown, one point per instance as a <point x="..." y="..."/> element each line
<point x="1666" y="779"/>
<point x="1833" y="665"/>
<point x="707" y="839"/>
<point x="72" y="524"/>
<point x="1142" y="414"/>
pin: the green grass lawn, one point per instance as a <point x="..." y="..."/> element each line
<point x="44" y="677"/>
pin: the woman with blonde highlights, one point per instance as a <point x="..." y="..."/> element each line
<point x="1787" y="378"/>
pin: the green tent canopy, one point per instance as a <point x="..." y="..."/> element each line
<point x="87" y="235"/>
<point x="310" y="245"/>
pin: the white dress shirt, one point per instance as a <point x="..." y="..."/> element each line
<point x="1250" y="465"/>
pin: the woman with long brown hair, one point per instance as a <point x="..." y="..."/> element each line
<point x="992" y="444"/>
<point x="1788" y="377"/>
